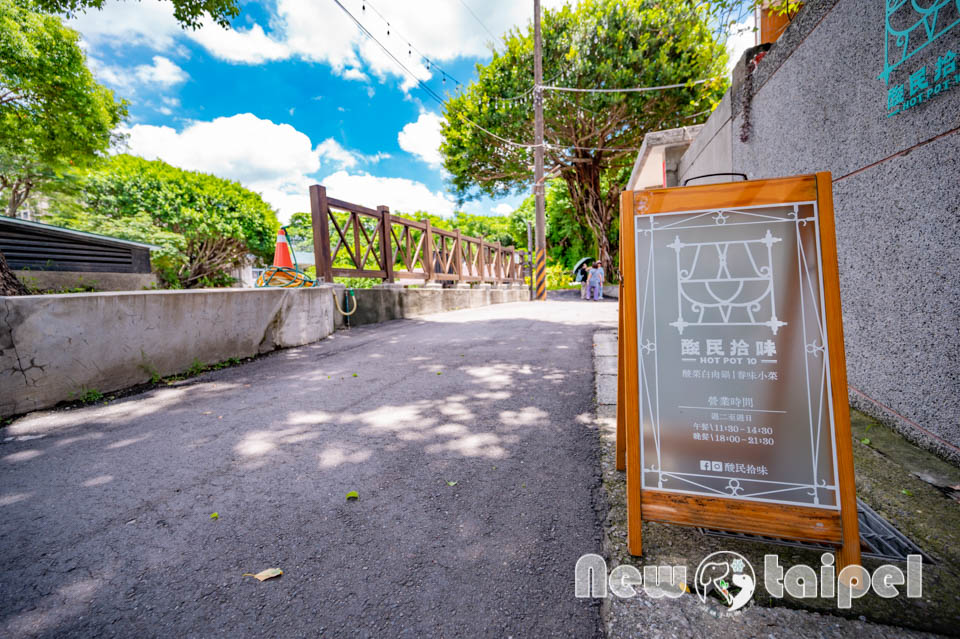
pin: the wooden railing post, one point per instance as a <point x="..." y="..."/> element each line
<point x="481" y="266"/>
<point x="321" y="233"/>
<point x="428" y="251"/>
<point x="386" y="243"/>
<point x="499" y="273"/>
<point x="458" y="261"/>
<point x="357" y="256"/>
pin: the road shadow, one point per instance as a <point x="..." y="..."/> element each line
<point x="468" y="441"/>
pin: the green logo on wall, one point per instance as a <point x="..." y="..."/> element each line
<point x="909" y="30"/>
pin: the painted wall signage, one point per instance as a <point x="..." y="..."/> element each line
<point x="909" y="30"/>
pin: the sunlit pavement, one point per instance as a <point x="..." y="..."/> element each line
<point x="466" y="435"/>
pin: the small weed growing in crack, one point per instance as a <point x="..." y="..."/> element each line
<point x="87" y="396"/>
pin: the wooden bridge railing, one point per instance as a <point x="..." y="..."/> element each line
<point x="350" y="240"/>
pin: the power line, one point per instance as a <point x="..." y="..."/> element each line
<point x="433" y="94"/>
<point x="627" y="90"/>
<point x="492" y="134"/>
<point x="475" y="17"/>
<point x="592" y="148"/>
<point x="432" y="63"/>
<point x="366" y="32"/>
<point x="426" y="88"/>
<point x="410" y="47"/>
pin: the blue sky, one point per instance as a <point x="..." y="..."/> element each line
<point x="295" y="94"/>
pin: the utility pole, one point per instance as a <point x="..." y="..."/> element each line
<point x="530" y="256"/>
<point x="540" y="257"/>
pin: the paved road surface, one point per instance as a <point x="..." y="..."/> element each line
<point x="105" y="526"/>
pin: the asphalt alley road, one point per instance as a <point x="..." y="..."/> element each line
<point x="105" y="521"/>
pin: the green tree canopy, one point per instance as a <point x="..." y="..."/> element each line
<point x="492" y="228"/>
<point x="568" y="239"/>
<point x="590" y="137"/>
<point x="205" y="225"/>
<point x="187" y="12"/>
<point x="53" y="114"/>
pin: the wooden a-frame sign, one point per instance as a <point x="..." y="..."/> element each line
<point x="732" y="408"/>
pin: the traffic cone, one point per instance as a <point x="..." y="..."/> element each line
<point x="281" y="255"/>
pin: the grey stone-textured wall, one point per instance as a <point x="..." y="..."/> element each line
<point x="56" y="347"/>
<point x="817" y="104"/>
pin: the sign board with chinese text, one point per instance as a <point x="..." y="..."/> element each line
<point x="734" y="394"/>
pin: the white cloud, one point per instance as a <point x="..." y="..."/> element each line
<point x="422" y="138"/>
<point x="400" y="194"/>
<point x="117" y="78"/>
<point x="503" y="209"/>
<point x="162" y="72"/>
<point x="321" y="32"/>
<point x="272" y="159"/>
<point x="355" y="74"/>
<point x="148" y="23"/>
<point x="248" y="46"/>
<point x="242" y="147"/>
<point x="275" y="160"/>
<point x="331" y="150"/>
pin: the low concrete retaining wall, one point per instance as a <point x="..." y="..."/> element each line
<point x="384" y="303"/>
<point x="56" y="347"/>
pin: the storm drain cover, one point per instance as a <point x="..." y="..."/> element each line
<point x="878" y="538"/>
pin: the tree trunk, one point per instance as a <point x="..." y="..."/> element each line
<point x="19" y="190"/>
<point x="595" y="208"/>
<point x="9" y="284"/>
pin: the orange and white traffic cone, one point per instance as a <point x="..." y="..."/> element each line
<point x="281" y="255"/>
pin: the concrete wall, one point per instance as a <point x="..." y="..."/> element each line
<point x="817" y="105"/>
<point x="710" y="152"/>
<point x="384" y="303"/>
<point x="55" y="347"/>
<point x="59" y="280"/>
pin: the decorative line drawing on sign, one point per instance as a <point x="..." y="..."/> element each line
<point x="820" y="486"/>
<point x="902" y="12"/>
<point x="725" y="297"/>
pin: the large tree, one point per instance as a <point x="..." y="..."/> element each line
<point x="568" y="239"/>
<point x="589" y="137"/>
<point x="54" y="116"/>
<point x="203" y="224"/>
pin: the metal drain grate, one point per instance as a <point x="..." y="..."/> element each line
<point x="878" y="538"/>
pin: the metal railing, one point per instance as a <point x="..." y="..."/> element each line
<point x="350" y="240"/>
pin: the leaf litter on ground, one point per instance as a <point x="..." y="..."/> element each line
<point x="263" y="575"/>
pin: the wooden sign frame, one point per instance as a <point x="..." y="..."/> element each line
<point x="838" y="527"/>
